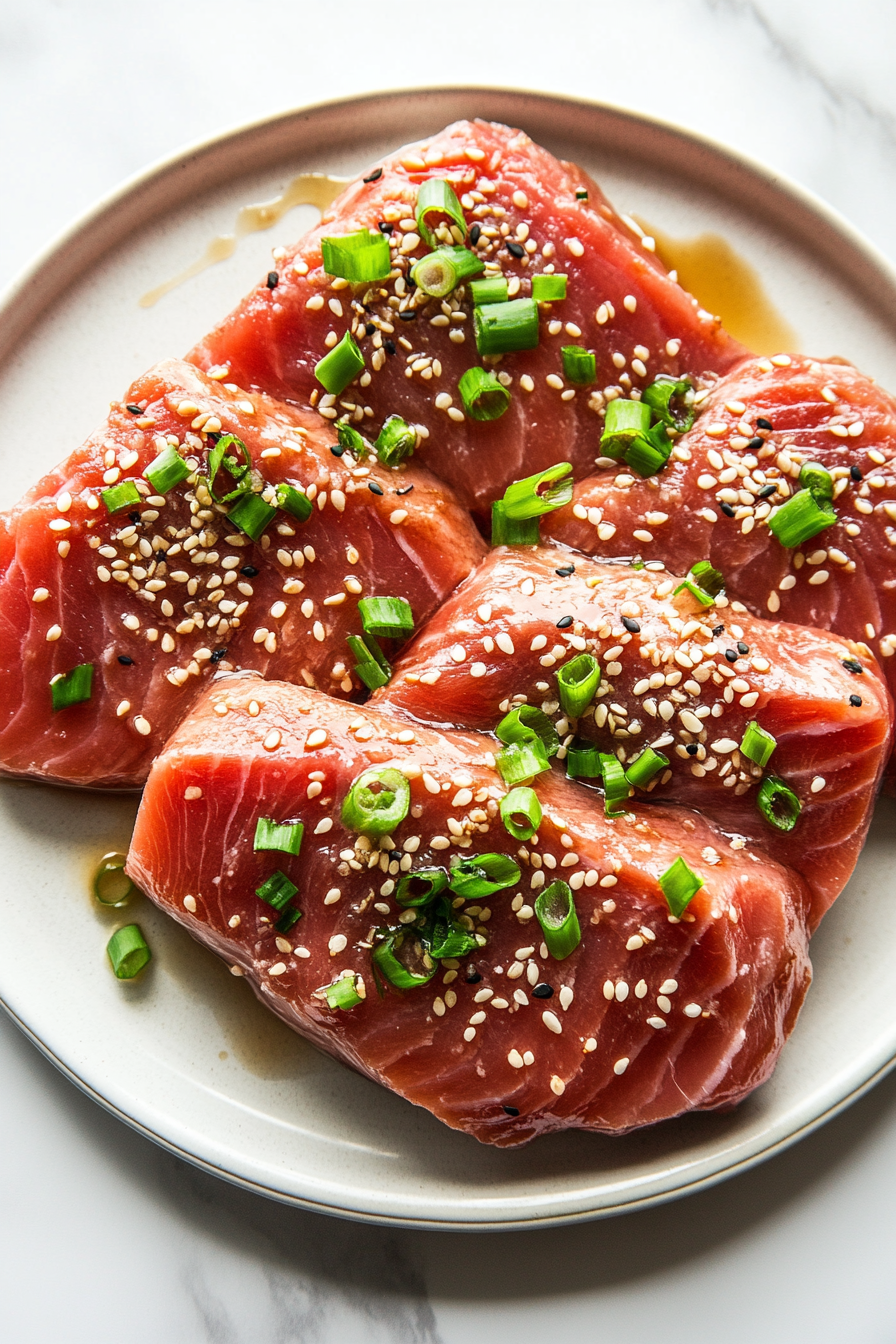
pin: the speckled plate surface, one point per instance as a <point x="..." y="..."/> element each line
<point x="186" y="1055"/>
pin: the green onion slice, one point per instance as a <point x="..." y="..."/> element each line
<point x="339" y="366"/>
<point x="503" y="327"/>
<point x="583" y="761"/>
<point x="403" y="960"/>
<point x="645" y="767"/>
<point x="294" y="502"/>
<point x="555" y="910"/>
<point x="757" y="745"/>
<point x="521" y="813"/>
<point x="372" y="666"/>
<point x="445" y="936"/>
<point x="513" y="531"/>
<point x="665" y="397"/>
<point x="166" y="471"/>
<point x="625" y="421"/>
<point x="289" y="917"/>
<point x="386" y="617"/>
<point x="524" y="724"/>
<point x="72" y="688"/>
<point x="421" y="887"/>
<point x="548" y="288"/>
<point x="446" y="268"/>
<point x="616" y="786"/>
<point x="351" y="441"/>
<point x="800" y="518"/>
<point x="577" y="683"/>
<point x="240" y="471"/>
<point x="437" y="197"/>
<point x="285" y="836"/>
<point x="492" y="290"/>
<point x="818" y="481"/>
<point x="359" y="257"/>
<point x="688" y="586"/>
<point x="483" y="396"/>
<point x="778" y="803"/>
<point x="377" y="802"/>
<point x="251" y="515"/>
<point x="395" y="441"/>
<point x="579" y="365"/>
<point x="277" y="890"/>
<point x="343" y="993"/>
<point x="483" y="875"/>
<point x="522" y="761"/>
<point x="111" y="884"/>
<point x="679" y="885"/>
<point x="648" y="455"/>
<point x="707" y="577"/>
<point x="128" y="951"/>
<point x="123" y="496"/>
<point x="539" y="494"/>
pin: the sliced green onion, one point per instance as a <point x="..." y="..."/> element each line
<point x="437" y="197"/>
<point x="522" y="761"/>
<point x="128" y="951"/>
<point x="421" y="887"/>
<point x="757" y="745"/>
<point x="343" y="993"/>
<point x="483" y="396"/>
<point x="386" y="617"/>
<point x="350" y="440"/>
<point x="377" y="802"/>
<point x="289" y="917"/>
<point x="555" y="910"/>
<point x="166" y="471"/>
<point x="581" y="194"/>
<point x="277" y="890"/>
<point x="403" y="960"/>
<point x="122" y="496"/>
<point x="579" y="364"/>
<point x="548" y="288"/>
<point x="72" y="688"/>
<point x="111" y="884"/>
<point x="240" y="471"/>
<point x="285" y="836"/>
<point x="583" y="761"/>
<point x="525" y="723"/>
<point x="513" y="531"/>
<point x="491" y="290"/>
<point x="679" y="885"/>
<point x="710" y="579"/>
<point x="395" y="441"/>
<point x="800" y="518"/>
<point x="294" y="502"/>
<point x="688" y="586"/>
<point x="359" y="257"/>
<point x="577" y="683"/>
<point x="527" y="499"/>
<point x="483" y="875"/>
<point x="616" y="786"/>
<point x="339" y="366"/>
<point x="521" y="813"/>
<point x="446" y="268"/>
<point x="251" y="514"/>
<point x="645" y="767"/>
<point x="446" y="936"/>
<point x="660" y="397"/>
<point x="625" y="421"/>
<point x="818" y="481"/>
<point x="372" y="667"/>
<point x="648" y="454"/>
<point x="778" y="804"/>
<point x="503" y="327"/>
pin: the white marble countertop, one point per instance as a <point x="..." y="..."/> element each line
<point x="105" y="1236"/>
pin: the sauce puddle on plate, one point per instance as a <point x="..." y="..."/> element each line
<point x="315" y="189"/>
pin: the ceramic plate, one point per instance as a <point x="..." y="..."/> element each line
<point x="186" y="1055"/>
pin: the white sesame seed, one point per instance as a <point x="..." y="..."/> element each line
<point x="621" y="1065"/>
<point x="692" y="1010"/>
<point x="190" y="904"/>
<point x="54" y="633"/>
<point x="143" y="726"/>
<point x="552" y="1022"/>
<point x="337" y="944"/>
<point x="272" y="740"/>
<point x="656" y="1022"/>
<point x="630" y="303"/>
<point x="192" y="792"/>
<point x="515" y="1059"/>
<point x="817" y="784"/>
<point x="505" y="643"/>
<point x="635" y="942"/>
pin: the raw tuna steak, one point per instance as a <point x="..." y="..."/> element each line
<point x="675" y="676"/>
<point x="156" y="594"/>
<point x="646" y="1018"/>
<point x="525" y="213"/>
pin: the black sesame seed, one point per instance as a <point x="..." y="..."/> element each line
<point x="409" y="315"/>
<point x="406" y="491"/>
<point x="854" y="472"/>
<point x="717" y="630"/>
<point x="396" y="855"/>
<point x="564" y="622"/>
<point x="473" y="977"/>
<point x="475" y="233"/>
<point x="125" y="660"/>
<point x="273" y="280"/>
<point x="565" y="572"/>
<point x="763" y="423"/>
<point x="758" y="442"/>
<point x="249" y="570"/>
<point x="218" y="654"/>
<point x="516" y="250"/>
<point x="134" y="410"/>
<point x="727" y="510"/>
<point x="767" y="491"/>
<point x="374" y="176"/>
<point x="134" y="517"/>
<point x="631" y="625"/>
<point x="542" y="991"/>
<point x="510" y="1110"/>
<point x="692" y="748"/>
<point x="731" y="655"/>
<point x="855" y="700"/>
<point x="853" y="665"/>
<point x="369" y="328"/>
<point x="742" y="648"/>
<point x="411" y="282"/>
<point x="374" y="487"/>
<point x="385" y="228"/>
<point x="336" y="449"/>
<point x="389" y="347"/>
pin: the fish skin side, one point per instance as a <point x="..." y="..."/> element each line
<point x="98" y="744"/>
<point x="800" y="693"/>
<point x="192" y="852"/>
<point x="273" y="339"/>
